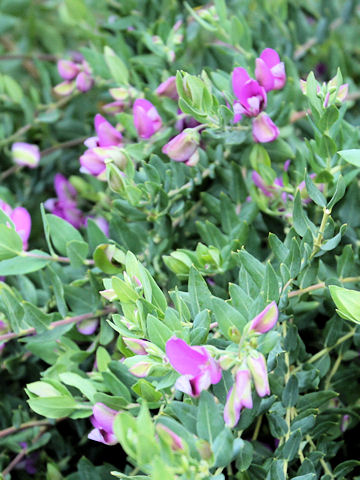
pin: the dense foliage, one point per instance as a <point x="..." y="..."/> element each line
<point x="179" y="239"/>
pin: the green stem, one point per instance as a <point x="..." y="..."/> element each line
<point x="320" y="236"/>
<point x="54" y="258"/>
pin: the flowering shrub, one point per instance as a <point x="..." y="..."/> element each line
<point x="179" y="252"/>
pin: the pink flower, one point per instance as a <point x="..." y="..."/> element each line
<point x="21" y="220"/>
<point x="239" y="397"/>
<point x="264" y="129"/>
<point x="146" y="118"/>
<point x="88" y="327"/>
<point x="266" y="320"/>
<point x="65" y="205"/>
<point x="252" y="97"/>
<point x="76" y="74"/>
<point x="257" y="365"/>
<point x="25" y="154"/>
<point x="67" y="69"/>
<point x="184" y="146"/>
<point x="107" y="135"/>
<point x="103" y="420"/>
<point x="197" y="367"/>
<point x="269" y="71"/>
<point x="168" y="89"/>
<point x="84" y="82"/>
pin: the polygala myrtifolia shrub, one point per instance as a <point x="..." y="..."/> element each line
<point x="179" y="240"/>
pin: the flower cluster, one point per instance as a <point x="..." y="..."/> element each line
<point x="76" y="75"/>
<point x="252" y="94"/>
<point x="106" y="144"/>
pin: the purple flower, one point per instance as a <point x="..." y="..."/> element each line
<point x="103" y="420"/>
<point x="266" y="320"/>
<point x="252" y="96"/>
<point x="260" y="184"/>
<point x="65" y="205"/>
<point x="146" y="118"/>
<point x="197" y="367"/>
<point x="67" y="69"/>
<point x="239" y="397"/>
<point x="184" y="146"/>
<point x="168" y="89"/>
<point x="264" y="129"/>
<point x="103" y="146"/>
<point x="107" y="135"/>
<point x="25" y="154"/>
<point x="21" y="220"/>
<point x="84" y="82"/>
<point x="88" y="327"/>
<point x="76" y="74"/>
<point x="257" y="366"/>
<point x="269" y="71"/>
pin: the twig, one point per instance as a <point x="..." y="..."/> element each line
<point x="58" y="323"/>
<point x="25" y="426"/>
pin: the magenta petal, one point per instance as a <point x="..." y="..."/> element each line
<point x="183" y="384"/>
<point x="266" y="320"/>
<point x="92" y="163"/>
<point x="22" y="221"/>
<point x="258" y="369"/>
<point x="263" y="75"/>
<point x="264" y="129"/>
<point x="104" y="417"/>
<point x="67" y="69"/>
<point x="239" y="78"/>
<point x="102" y="437"/>
<point x="259" y="182"/>
<point x="270" y="57"/>
<point x="63" y="188"/>
<point x="84" y="82"/>
<point x="108" y="135"/>
<point x="214" y="371"/>
<point x="183" y="358"/>
<point x="143" y="123"/>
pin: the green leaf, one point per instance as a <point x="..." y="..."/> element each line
<point x="209" y="420"/>
<point x="339" y="192"/>
<point x="77" y="252"/>
<point x="351" y="156"/>
<point x="347" y="302"/>
<point x="200" y="296"/>
<point x="23" y="264"/>
<point x="85" y="386"/>
<point x="158" y="332"/>
<point x="345" y="468"/>
<point x="227" y="317"/>
<point x="291" y="392"/>
<point x="146" y="390"/>
<point x="61" y="233"/>
<point x="223" y="448"/>
<point x="255" y="269"/>
<point x="117" y="67"/>
<point x="314" y="193"/>
<point x="53" y="407"/>
<point x="11" y="244"/>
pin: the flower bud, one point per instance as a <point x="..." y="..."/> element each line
<point x="270" y="72"/>
<point x="257" y="365"/>
<point x="266" y="320"/>
<point x="146" y="118"/>
<point x="25" y="154"/>
<point x="182" y="147"/>
<point x="174" y="441"/>
<point x="136" y="345"/>
<point x="84" y="82"/>
<point x="67" y="69"/>
<point x="88" y="327"/>
<point x="168" y="89"/>
<point x="64" y="89"/>
<point x="239" y="397"/>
